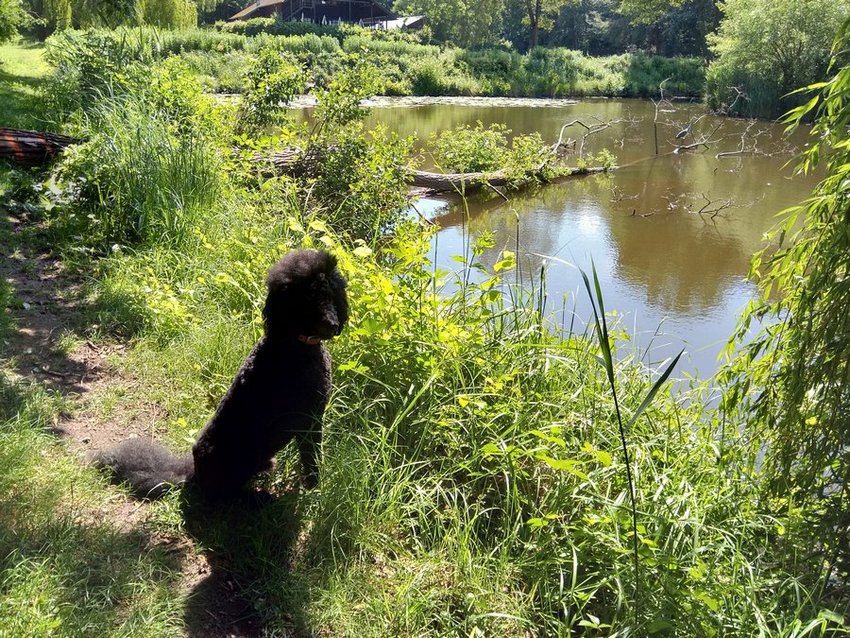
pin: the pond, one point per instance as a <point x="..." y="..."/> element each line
<point x="675" y="276"/>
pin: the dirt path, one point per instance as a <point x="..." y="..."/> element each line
<point x="49" y="344"/>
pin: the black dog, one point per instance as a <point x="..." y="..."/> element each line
<point x="280" y="393"/>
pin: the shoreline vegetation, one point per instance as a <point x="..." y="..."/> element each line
<point x="408" y="68"/>
<point x="480" y="474"/>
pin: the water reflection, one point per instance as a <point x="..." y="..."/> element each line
<point x="662" y="262"/>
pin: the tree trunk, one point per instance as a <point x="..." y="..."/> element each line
<point x="32" y="148"/>
<point x="466" y="183"/>
<point x="534" y="11"/>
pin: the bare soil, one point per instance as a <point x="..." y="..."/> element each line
<point x="51" y="344"/>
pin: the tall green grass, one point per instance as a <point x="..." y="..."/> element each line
<point x="136" y="180"/>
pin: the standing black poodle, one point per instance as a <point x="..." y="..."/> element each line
<point x="280" y="393"/>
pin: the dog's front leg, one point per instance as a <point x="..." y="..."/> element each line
<point x="309" y="448"/>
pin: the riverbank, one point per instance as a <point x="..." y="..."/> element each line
<point x="407" y="68"/>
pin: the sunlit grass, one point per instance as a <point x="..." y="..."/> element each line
<point x="22" y="69"/>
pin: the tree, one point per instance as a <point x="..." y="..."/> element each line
<point x="468" y="23"/>
<point x="13" y="17"/>
<point x="767" y="48"/>
<point x="539" y="14"/>
<point x="647" y="11"/>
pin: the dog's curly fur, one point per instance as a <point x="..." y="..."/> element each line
<point x="279" y="394"/>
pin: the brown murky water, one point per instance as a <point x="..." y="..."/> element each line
<point x="675" y="276"/>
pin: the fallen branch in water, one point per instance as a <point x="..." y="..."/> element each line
<point x="468" y="182"/>
<point x="295" y="162"/>
<point x="590" y="129"/>
<point x="703" y="140"/>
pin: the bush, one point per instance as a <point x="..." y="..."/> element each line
<point x="359" y="179"/>
<point x="271" y="82"/>
<point x="13" y="18"/>
<point x="220" y="72"/>
<point x="466" y="149"/>
<point x="764" y="50"/>
<point x="276" y="26"/>
<point x="440" y="76"/>
<point x="90" y="65"/>
<point x="523" y="159"/>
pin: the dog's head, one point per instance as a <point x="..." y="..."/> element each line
<point x="306" y="297"/>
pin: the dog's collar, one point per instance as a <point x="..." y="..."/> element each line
<point x="310" y="340"/>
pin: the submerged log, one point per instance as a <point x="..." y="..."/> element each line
<point x="32" y="148"/>
<point x="292" y="161"/>
<point x="471" y="182"/>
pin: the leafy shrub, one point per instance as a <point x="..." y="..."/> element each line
<point x="148" y="168"/>
<point x="13" y="18"/>
<point x="768" y="49"/>
<point x="522" y="159"/>
<point x="360" y="181"/>
<point x="466" y="149"/>
<point x="276" y="26"/>
<point x="90" y="65"/>
<point x="788" y="381"/>
<point x="439" y="76"/>
<point x="272" y="81"/>
<point x="220" y="72"/>
<point x="359" y="178"/>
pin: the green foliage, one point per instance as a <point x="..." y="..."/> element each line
<point x="792" y="380"/>
<point x="219" y="72"/>
<point x="272" y="81"/>
<point x="407" y="67"/>
<point x="647" y="11"/>
<point x="538" y="15"/>
<point x="561" y="72"/>
<point x="468" y="23"/>
<point x="13" y="18"/>
<point x="767" y="49"/>
<point x="276" y="26"/>
<point x="170" y="14"/>
<point x="93" y="64"/>
<point x="522" y="159"/>
<point x="440" y="76"/>
<point x="65" y="14"/>
<point x="474" y="477"/>
<point x="137" y="180"/>
<point x="360" y="180"/>
<point x="470" y="457"/>
<point x="467" y="149"/>
<point x="148" y="168"/>
<point x="340" y="103"/>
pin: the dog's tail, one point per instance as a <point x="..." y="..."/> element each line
<point x="150" y="469"/>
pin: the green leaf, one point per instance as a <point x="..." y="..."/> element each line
<point x="657" y="626"/>
<point x="654" y="390"/>
<point x="491" y="449"/>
